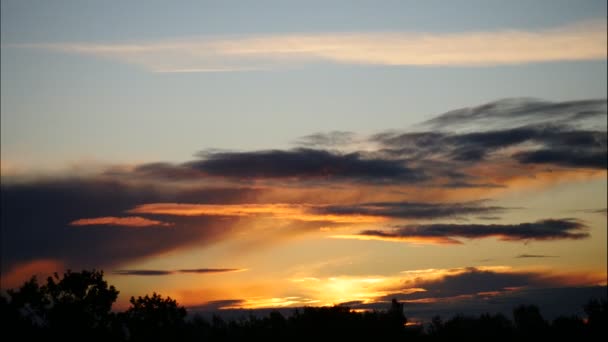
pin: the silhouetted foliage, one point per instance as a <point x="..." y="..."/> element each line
<point x="154" y="317"/>
<point x="529" y="322"/>
<point x="78" y="306"/>
<point x="597" y="316"/>
<point x="75" y="307"/>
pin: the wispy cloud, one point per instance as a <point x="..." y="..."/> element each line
<point x="551" y="229"/>
<point x="524" y="256"/>
<point x="411" y="210"/>
<point x="169" y="272"/>
<point x="346" y="213"/>
<point x="300" y="212"/>
<point x="129" y="221"/>
<point x="580" y="41"/>
<point x="601" y="211"/>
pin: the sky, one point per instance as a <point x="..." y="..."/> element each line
<point x="279" y="153"/>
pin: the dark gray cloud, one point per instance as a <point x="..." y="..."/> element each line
<point x="305" y="164"/>
<point x="519" y="111"/>
<point x="416" y="210"/>
<point x="568" y="134"/>
<point x="537" y="132"/>
<point x="558" y="145"/>
<point x="550" y="229"/>
<point x="471" y="281"/>
<point x="523" y="256"/>
<point x="210" y="270"/>
<point x="566" y="157"/>
<point x="169" y="272"/>
<point x="35" y="221"/>
<point x="143" y="272"/>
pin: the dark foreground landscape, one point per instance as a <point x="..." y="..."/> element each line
<point x="78" y="306"/>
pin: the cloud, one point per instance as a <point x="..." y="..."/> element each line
<point x="130" y="221"/>
<point x="470" y="281"/>
<point x="516" y="112"/>
<point x="550" y="229"/>
<point x="143" y="272"/>
<point x="568" y="134"/>
<point x="557" y="145"/>
<point x="36" y="219"/>
<point x="580" y="41"/>
<point x="347" y="213"/>
<point x="566" y="157"/>
<point x="523" y="256"/>
<point x="300" y="212"/>
<point x="169" y="272"/>
<point x="304" y="164"/>
<point x="413" y="210"/>
<point x="211" y="270"/>
<point x="602" y="211"/>
<point x="500" y="136"/>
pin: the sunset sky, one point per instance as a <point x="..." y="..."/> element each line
<point x="235" y="154"/>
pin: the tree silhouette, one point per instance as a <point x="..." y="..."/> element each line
<point x="73" y="307"/>
<point x="529" y="322"/>
<point x="155" y="318"/>
<point x="597" y="316"/>
<point x="77" y="307"/>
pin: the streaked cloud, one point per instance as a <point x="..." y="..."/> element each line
<point x="412" y="210"/>
<point x="277" y="211"/>
<point x="524" y="256"/>
<point x="579" y="41"/>
<point x="550" y="229"/>
<point x="170" y="272"/>
<point x="129" y="221"/>
<point x="515" y="112"/>
<point x="601" y="211"/>
<point x="347" y="213"/>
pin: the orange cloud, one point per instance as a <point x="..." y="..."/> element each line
<point x="130" y="221"/>
<point x="299" y="212"/>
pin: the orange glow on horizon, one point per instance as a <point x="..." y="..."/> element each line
<point x="24" y="271"/>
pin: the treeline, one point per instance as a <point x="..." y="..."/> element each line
<point x="77" y="307"/>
